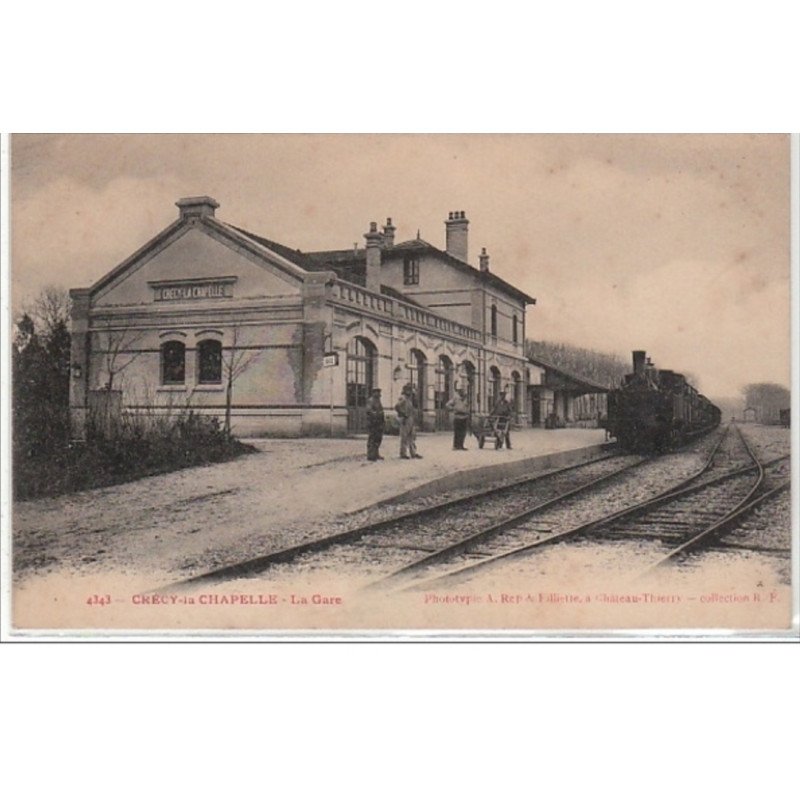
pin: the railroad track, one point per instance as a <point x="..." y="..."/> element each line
<point x="389" y="542"/>
<point x="387" y="546"/>
<point x="674" y="520"/>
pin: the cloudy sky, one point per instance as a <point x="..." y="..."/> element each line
<point x="678" y="245"/>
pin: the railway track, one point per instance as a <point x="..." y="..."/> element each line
<point x="383" y="548"/>
<point x="424" y="530"/>
<point x="684" y="518"/>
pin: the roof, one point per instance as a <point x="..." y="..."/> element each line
<point x="350" y="264"/>
<point x="345" y="263"/>
<point x="296" y="256"/>
<point x="584" y="383"/>
<point x="420" y="246"/>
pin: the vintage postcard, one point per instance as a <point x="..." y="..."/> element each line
<point x="429" y="385"/>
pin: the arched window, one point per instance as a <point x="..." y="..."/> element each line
<point x="494" y="387"/>
<point x="517" y="400"/>
<point x="173" y="363"/>
<point x="416" y="377"/>
<point x="444" y="391"/>
<point x="468" y="369"/>
<point x="209" y="361"/>
<point x="362" y="358"/>
<point x="444" y="381"/>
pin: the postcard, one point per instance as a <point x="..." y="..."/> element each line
<point x="435" y="386"/>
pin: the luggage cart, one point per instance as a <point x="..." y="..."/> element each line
<point x="486" y="427"/>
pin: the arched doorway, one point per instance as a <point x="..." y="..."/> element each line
<point x="468" y="369"/>
<point x="494" y="388"/>
<point x="362" y="362"/>
<point x="416" y="377"/>
<point x="444" y="392"/>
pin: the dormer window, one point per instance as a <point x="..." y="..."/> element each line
<point x="410" y="271"/>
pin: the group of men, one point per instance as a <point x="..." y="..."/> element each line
<point x="406" y="409"/>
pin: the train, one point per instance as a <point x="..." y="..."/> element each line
<point x="656" y="410"/>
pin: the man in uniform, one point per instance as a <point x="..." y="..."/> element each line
<point x="406" y="415"/>
<point x="375" y="424"/>
<point x="460" y="408"/>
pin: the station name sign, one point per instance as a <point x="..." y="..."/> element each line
<point x="194" y="289"/>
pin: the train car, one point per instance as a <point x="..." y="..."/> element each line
<point x="656" y="410"/>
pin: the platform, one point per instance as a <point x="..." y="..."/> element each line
<point x="355" y="483"/>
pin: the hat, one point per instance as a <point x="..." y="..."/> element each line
<point x="408" y="387"/>
<point x="376" y="390"/>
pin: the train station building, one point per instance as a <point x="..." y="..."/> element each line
<point x="210" y="316"/>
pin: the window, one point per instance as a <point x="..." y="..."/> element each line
<point x="494" y="321"/>
<point x="209" y="361"/>
<point x="173" y="363"/>
<point x="516" y="331"/>
<point x="494" y="387"/>
<point x="411" y="271"/>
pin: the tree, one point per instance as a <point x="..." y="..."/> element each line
<point x="767" y="399"/>
<point x="235" y="362"/>
<point x="40" y="373"/>
<point x="603" y="368"/>
<point x="49" y="310"/>
<point x="115" y="344"/>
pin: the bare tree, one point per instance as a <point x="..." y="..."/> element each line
<point x="49" y="310"/>
<point x="236" y="360"/>
<point x="116" y="345"/>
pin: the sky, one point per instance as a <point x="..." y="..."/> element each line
<point x="674" y="244"/>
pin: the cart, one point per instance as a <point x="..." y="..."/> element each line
<point x="485" y="427"/>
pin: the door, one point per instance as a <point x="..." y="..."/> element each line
<point x="444" y="393"/>
<point x="361" y="358"/>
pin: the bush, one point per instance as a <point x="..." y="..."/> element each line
<point x="130" y="446"/>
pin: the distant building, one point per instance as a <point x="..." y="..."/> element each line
<point x="310" y="333"/>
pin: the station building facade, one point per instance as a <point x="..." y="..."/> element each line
<point x="210" y="316"/>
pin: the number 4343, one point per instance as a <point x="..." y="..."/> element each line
<point x="98" y="600"/>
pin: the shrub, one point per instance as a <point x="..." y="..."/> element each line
<point x="131" y="446"/>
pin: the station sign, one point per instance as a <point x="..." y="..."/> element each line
<point x="193" y="289"/>
<point x="330" y="360"/>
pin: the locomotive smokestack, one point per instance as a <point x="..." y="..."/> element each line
<point x="639" y="361"/>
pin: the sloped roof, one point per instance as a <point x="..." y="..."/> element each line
<point x="584" y="383"/>
<point x="345" y="263"/>
<point x="295" y="256"/>
<point x="356" y="257"/>
<point x="420" y="245"/>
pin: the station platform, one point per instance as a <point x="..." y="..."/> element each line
<point x="351" y="482"/>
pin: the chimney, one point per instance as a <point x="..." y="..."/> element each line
<point x="638" y="362"/>
<point x="197" y="206"/>
<point x="456" y="226"/>
<point x="374" y="241"/>
<point x="484" y="259"/>
<point x="388" y="233"/>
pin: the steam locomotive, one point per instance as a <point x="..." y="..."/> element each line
<point x="656" y="410"/>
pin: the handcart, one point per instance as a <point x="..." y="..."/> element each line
<point x="486" y="427"/>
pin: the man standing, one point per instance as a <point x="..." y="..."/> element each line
<point x="458" y="405"/>
<point x="375" y="424"/>
<point x="503" y="413"/>
<point x="406" y="416"/>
